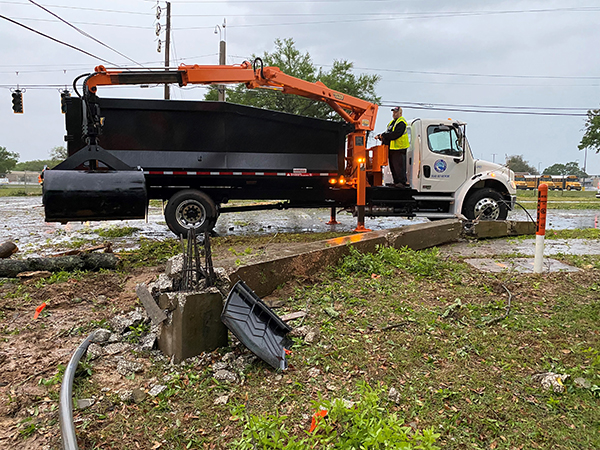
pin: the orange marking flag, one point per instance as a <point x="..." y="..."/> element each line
<point x="38" y="310"/>
<point x="313" y="425"/>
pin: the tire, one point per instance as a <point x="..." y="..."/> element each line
<point x="190" y="209"/>
<point x="485" y="204"/>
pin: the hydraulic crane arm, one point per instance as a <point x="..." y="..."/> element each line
<point x="358" y="112"/>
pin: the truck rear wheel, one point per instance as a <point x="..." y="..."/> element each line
<point x="190" y="209"/>
<point x="485" y="204"/>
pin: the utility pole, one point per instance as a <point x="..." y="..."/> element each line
<point x="494" y="157"/>
<point x="167" y="46"/>
<point x="222" y="57"/>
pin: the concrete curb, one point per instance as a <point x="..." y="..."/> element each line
<point x="304" y="260"/>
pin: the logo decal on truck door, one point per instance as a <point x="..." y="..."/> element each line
<point x="440" y="166"/>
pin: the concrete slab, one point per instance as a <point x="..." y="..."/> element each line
<point x="500" y="228"/>
<point x="425" y="235"/>
<point x="520" y="265"/>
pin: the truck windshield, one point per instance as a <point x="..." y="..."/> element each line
<point x="444" y="140"/>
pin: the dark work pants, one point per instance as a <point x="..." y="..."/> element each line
<point x="398" y="165"/>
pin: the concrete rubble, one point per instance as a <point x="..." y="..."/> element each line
<point x="551" y="380"/>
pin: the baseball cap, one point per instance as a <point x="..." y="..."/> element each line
<point x="396" y="108"/>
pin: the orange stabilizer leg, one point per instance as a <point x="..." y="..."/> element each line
<point x="332" y="220"/>
<point x="360" y="224"/>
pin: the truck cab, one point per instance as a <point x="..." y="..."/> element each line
<point x="443" y="171"/>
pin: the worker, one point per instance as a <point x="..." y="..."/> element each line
<point x="396" y="137"/>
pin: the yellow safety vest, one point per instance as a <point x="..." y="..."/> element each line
<point x="402" y="141"/>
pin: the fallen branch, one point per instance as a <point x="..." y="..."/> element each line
<point x="505" y="315"/>
<point x="107" y="247"/>
<point x="396" y="325"/>
<point x="10" y="268"/>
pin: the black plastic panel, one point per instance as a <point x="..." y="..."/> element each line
<point x="256" y="326"/>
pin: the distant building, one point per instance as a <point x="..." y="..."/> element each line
<point x="22" y="177"/>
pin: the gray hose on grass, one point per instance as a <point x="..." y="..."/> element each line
<point x="65" y="411"/>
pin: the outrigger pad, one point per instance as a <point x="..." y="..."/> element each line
<point x="256" y="325"/>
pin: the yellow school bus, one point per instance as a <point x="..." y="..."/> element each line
<point x="520" y="182"/>
<point x="566" y="182"/>
<point x="548" y="180"/>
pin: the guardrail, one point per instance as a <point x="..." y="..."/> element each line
<point x="65" y="412"/>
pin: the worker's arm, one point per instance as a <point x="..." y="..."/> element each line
<point x="389" y="136"/>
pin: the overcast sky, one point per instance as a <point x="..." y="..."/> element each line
<point x="469" y="56"/>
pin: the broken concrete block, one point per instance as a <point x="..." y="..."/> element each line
<point x="101" y="335"/>
<point x="174" y="267"/>
<point x="164" y="283"/>
<point x="194" y="326"/>
<point x="154" y="312"/>
<point x="138" y="395"/>
<point x="94" y="351"/>
<point x="84" y="403"/>
<point x="312" y="336"/>
<point x="225" y="375"/>
<point x="127" y="368"/>
<point x="168" y="301"/>
<point x="156" y="390"/>
<point x="117" y="347"/>
<point x="120" y="324"/>
<point x="147" y="342"/>
<point x="394" y="395"/>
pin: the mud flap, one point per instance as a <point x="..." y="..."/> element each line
<point x="73" y="195"/>
<point x="256" y="325"/>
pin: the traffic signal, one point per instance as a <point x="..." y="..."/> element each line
<point x="63" y="100"/>
<point x="17" y="101"/>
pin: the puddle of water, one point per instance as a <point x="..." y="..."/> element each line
<point x="22" y="221"/>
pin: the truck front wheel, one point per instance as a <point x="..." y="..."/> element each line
<point x="190" y="209"/>
<point x="485" y="204"/>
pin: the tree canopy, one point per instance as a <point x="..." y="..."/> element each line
<point x="8" y="160"/>
<point x="292" y="62"/>
<point x="591" y="138"/>
<point x="570" y="168"/>
<point x="58" y="153"/>
<point x="516" y="163"/>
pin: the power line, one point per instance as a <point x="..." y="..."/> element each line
<point x="114" y="25"/>
<point x="84" y="9"/>
<point x="56" y="40"/>
<point x="481" y="110"/>
<point x="84" y="33"/>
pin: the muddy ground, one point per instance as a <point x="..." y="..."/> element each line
<point x="31" y="351"/>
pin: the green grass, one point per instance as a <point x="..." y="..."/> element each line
<point x="20" y="190"/>
<point x="415" y="321"/>
<point x="115" y="232"/>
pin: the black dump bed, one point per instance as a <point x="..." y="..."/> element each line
<point x="215" y="136"/>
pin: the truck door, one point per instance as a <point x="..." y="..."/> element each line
<point x="443" y="162"/>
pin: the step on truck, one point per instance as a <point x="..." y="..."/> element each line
<point x="199" y="155"/>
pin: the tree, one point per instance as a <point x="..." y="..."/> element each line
<point x="37" y="165"/>
<point x="8" y="160"/>
<point x="591" y="138"/>
<point x="516" y="163"/>
<point x="58" y="153"/>
<point x="292" y="62"/>
<point x="570" y="168"/>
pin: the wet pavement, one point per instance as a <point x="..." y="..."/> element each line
<point x="22" y="221"/>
